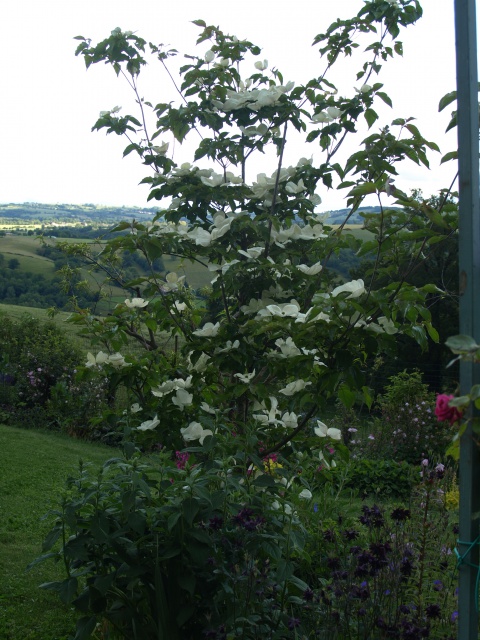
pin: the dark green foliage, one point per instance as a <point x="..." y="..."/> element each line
<point x="377" y="478"/>
<point x="31" y="289"/>
<point x="166" y="552"/>
<point x="38" y="366"/>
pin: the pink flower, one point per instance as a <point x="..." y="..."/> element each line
<point x="444" y="411"/>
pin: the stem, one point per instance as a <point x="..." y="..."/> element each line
<point x="275" y="191"/>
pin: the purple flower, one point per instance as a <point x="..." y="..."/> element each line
<point x="293" y="623"/>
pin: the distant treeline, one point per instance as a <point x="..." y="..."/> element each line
<point x="27" y="289"/>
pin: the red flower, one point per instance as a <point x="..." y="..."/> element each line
<point x="444" y="411"/>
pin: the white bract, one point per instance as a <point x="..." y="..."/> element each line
<point x="162" y="149"/>
<point x="305" y="494"/>
<point x="322" y="431"/>
<point x="209" y="330"/>
<point x="182" y="399"/>
<point x="99" y="359"/>
<point x="261" y="66"/>
<point x="136" y="303"/>
<point x="173" y="281"/>
<point x="246" y="378"/>
<point x="310" y="271"/>
<point x="117" y="361"/>
<point x="294" y="387"/>
<point x="355" y="289"/>
<point x="149" y="425"/>
<point x="195" y="431"/>
<point x="209" y="56"/>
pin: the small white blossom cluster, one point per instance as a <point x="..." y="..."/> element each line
<point x="195" y="431"/>
<point x="253" y="99"/>
<point x="182" y="397"/>
<point x="115" y="360"/>
<point x="329" y="115"/>
<point x="273" y="415"/>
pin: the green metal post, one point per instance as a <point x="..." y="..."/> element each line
<point x="469" y="259"/>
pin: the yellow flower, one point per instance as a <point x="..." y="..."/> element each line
<point x="452" y="499"/>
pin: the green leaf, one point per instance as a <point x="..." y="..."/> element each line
<point x="187" y="582"/>
<point x="462" y="344"/>
<point x="384" y="97"/>
<point x="413" y="130"/>
<point x="453" y="122"/>
<point x="432" y="332"/>
<point x="51" y="539"/>
<point x="85" y="628"/>
<point x="68" y="590"/>
<point x="370" y="117"/>
<point x="190" y="509"/>
<point x="460" y="401"/>
<point x="347" y="396"/>
<point x="367" y="397"/>
<point x="284" y="570"/>
<point x="451" y="155"/>
<point x="454" y="449"/>
<point x="363" y="189"/>
<point x="446" y="100"/>
<point x="264" y="481"/>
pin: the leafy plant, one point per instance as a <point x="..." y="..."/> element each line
<point x="176" y="551"/>
<point x="407" y="428"/>
<point x="387" y="478"/>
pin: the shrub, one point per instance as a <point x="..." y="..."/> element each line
<point x="178" y="551"/>
<point x="407" y="429"/>
<point x="386" y="478"/>
<point x="38" y="367"/>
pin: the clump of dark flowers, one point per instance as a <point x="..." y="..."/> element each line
<point x="380" y="580"/>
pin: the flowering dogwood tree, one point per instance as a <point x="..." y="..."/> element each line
<point x="283" y="334"/>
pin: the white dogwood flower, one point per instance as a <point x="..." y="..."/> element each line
<point x="149" y="425"/>
<point x="322" y="431"/>
<point x="294" y="387"/>
<point x="209" y="56"/>
<point x="209" y="330"/>
<point x="173" y="281"/>
<point x="310" y="271"/>
<point x="355" y="289"/>
<point x="195" y="431"/>
<point x="117" y="361"/>
<point x="136" y="303"/>
<point x="305" y="494"/>
<point x="290" y="420"/>
<point x="162" y="149"/>
<point x="182" y="399"/>
<point x="99" y="359"/>
<point x="245" y="377"/>
<point x="261" y="66"/>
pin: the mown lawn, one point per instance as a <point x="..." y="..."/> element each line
<point x="34" y="466"/>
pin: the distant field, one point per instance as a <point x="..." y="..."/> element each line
<point x="356" y="230"/>
<point x="24" y="248"/>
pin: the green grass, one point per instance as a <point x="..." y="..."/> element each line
<point x="34" y="468"/>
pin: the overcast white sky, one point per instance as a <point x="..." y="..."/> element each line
<point x="49" y="101"/>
